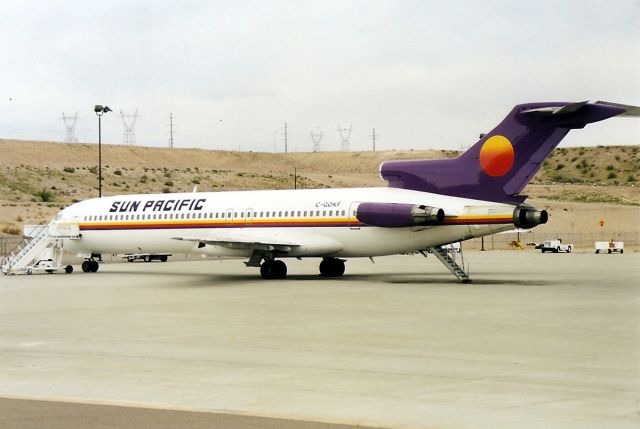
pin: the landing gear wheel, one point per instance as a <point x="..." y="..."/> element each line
<point x="147" y="258"/>
<point x="270" y="270"/>
<point x="569" y="249"/>
<point x="163" y="258"/>
<point x="331" y="267"/>
<point x="86" y="266"/>
<point x="94" y="266"/>
<point x="279" y="270"/>
<point x="266" y="270"/>
<point x="68" y="269"/>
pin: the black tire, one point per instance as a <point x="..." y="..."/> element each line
<point x="68" y="269"/>
<point x="163" y="258"/>
<point x="621" y="250"/>
<point x="147" y="258"/>
<point x="86" y="266"/>
<point x="569" y="249"/>
<point x="279" y="270"/>
<point x="609" y="251"/>
<point x="266" y="270"/>
<point x="557" y="250"/>
<point x="331" y="267"/>
<point x="543" y="250"/>
<point x="94" y="266"/>
<point x="597" y="251"/>
<point x="130" y="258"/>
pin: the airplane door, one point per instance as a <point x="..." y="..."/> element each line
<point x="353" y="221"/>
<point x="248" y="216"/>
<point x="229" y="217"/>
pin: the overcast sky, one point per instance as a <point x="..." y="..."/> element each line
<point x="424" y="74"/>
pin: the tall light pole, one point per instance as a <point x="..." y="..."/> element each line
<point x="100" y="110"/>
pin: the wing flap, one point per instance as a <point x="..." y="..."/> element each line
<point x="242" y="242"/>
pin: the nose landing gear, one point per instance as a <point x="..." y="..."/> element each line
<point x="90" y="266"/>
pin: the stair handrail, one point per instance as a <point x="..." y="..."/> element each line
<point x="27" y="243"/>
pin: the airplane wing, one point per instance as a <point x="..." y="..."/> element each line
<point x="243" y="241"/>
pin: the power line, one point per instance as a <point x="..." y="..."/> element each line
<point x="286" y="143"/>
<point x="316" y="138"/>
<point x="129" y="122"/>
<point x="70" y="127"/>
<point x="170" y="130"/>
<point x="345" y="135"/>
<point x="373" y="138"/>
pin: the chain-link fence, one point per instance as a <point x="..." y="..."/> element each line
<point x="580" y="240"/>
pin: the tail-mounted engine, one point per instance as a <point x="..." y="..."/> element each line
<point x="527" y="217"/>
<point x="396" y="215"/>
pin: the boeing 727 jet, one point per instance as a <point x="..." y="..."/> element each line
<point x="426" y="204"/>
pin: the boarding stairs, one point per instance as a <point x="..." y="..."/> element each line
<point x="41" y="250"/>
<point x="449" y="261"/>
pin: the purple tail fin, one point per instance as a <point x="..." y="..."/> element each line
<point x="499" y="166"/>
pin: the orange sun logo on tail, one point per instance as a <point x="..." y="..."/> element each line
<point x="496" y="156"/>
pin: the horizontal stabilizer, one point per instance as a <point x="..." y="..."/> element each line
<point x="628" y="109"/>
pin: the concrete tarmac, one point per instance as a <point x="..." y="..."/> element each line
<point x="535" y="341"/>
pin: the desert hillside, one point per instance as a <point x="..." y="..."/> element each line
<point x="579" y="185"/>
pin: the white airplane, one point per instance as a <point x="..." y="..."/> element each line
<point x="427" y="204"/>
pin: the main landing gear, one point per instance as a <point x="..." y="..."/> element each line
<point x="272" y="269"/>
<point x="331" y="267"/>
<point x="90" y="266"/>
<point x="276" y="269"/>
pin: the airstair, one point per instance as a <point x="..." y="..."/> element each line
<point x="41" y="251"/>
<point x="444" y="255"/>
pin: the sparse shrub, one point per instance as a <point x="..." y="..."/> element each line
<point x="11" y="230"/>
<point x="612" y="175"/>
<point x="166" y="190"/>
<point x="143" y="178"/>
<point x="19" y="218"/>
<point x="617" y="157"/>
<point x="93" y="170"/>
<point x="631" y="178"/>
<point x="69" y="170"/>
<point x="610" y="167"/>
<point x="115" y="184"/>
<point x="117" y="173"/>
<point x="45" y="195"/>
<point x="167" y="174"/>
<point x="560" y="166"/>
<point x="168" y="183"/>
<point x="195" y="181"/>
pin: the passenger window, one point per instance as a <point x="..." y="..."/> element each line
<point x="330" y="212"/>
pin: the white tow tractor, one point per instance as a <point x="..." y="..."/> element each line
<point x="556" y="246"/>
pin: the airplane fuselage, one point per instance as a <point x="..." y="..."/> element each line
<point x="317" y="223"/>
